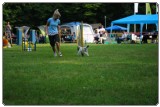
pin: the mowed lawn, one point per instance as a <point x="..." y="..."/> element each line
<point x="113" y="74"/>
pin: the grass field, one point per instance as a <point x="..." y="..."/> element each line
<point x="125" y="74"/>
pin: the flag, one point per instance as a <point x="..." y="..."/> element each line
<point x="148" y="8"/>
<point x="135" y="7"/>
<point x="157" y="8"/>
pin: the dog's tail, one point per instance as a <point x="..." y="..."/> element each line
<point x="87" y="46"/>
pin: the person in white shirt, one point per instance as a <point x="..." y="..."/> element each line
<point x="124" y="35"/>
<point x="101" y="30"/>
<point x="104" y="37"/>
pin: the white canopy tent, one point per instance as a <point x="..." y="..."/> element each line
<point x="88" y="33"/>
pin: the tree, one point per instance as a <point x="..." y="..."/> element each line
<point x="35" y="14"/>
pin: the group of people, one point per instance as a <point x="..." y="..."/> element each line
<point x="40" y="38"/>
<point x="123" y="37"/>
<point x="100" y="35"/>
<point x="69" y="37"/>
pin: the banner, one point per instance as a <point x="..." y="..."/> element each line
<point x="148" y="8"/>
<point x="156" y="8"/>
<point x="135" y="7"/>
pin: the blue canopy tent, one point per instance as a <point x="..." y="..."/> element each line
<point x="137" y="19"/>
<point x="115" y="28"/>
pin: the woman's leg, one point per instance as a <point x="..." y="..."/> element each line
<point x="52" y="43"/>
<point x="58" y="44"/>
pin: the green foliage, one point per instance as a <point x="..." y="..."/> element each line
<point x="112" y="75"/>
<point x="35" y="14"/>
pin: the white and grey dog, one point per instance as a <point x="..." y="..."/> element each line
<point x="83" y="50"/>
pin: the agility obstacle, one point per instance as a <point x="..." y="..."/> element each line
<point x="28" y="43"/>
<point x="81" y="27"/>
<point x="82" y="50"/>
<point x="80" y="39"/>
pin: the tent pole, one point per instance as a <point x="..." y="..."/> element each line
<point x="146" y="27"/>
<point x="105" y="21"/>
<point x="157" y="26"/>
<point x="134" y="28"/>
<point x="111" y="29"/>
<point x="141" y="29"/>
<point x="128" y="28"/>
<point x="135" y="25"/>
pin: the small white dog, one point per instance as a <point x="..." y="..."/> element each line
<point x="83" y="50"/>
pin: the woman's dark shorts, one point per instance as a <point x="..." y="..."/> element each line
<point x="53" y="39"/>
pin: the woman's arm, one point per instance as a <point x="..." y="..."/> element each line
<point x="46" y="28"/>
<point x="59" y="28"/>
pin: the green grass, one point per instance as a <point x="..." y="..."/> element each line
<point x="125" y="74"/>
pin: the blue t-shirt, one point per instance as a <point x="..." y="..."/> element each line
<point x="53" y="26"/>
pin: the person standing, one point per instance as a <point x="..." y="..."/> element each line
<point x="104" y="37"/>
<point x="101" y="30"/>
<point x="52" y="30"/>
<point x="8" y="32"/>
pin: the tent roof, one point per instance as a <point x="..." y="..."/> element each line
<point x="138" y="19"/>
<point x="42" y="29"/>
<point x="72" y="23"/>
<point x="116" y="27"/>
